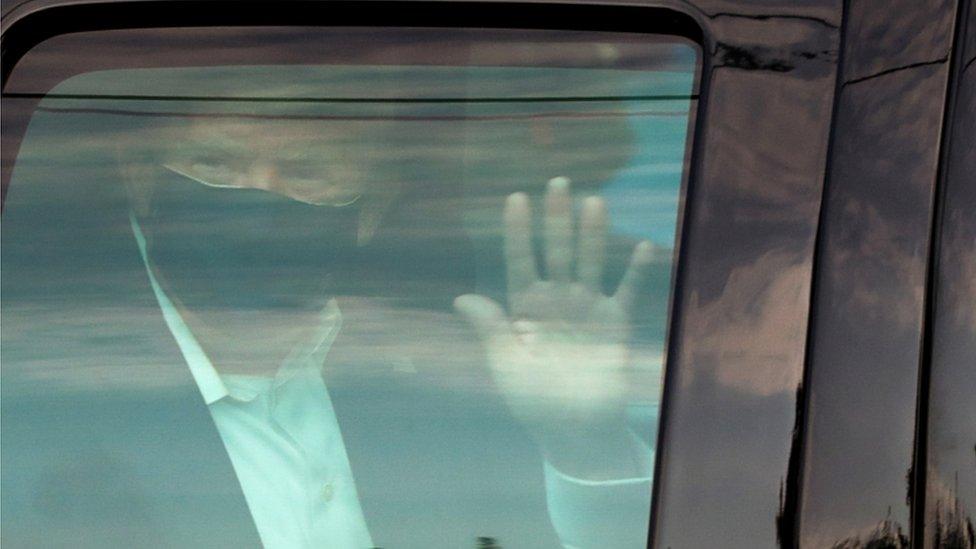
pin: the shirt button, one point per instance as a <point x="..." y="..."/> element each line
<point x="328" y="491"/>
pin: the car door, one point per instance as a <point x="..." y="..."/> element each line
<point x="947" y="429"/>
<point x="813" y="341"/>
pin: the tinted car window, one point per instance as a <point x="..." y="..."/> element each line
<point x="414" y="294"/>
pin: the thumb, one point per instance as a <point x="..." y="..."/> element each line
<point x="485" y="315"/>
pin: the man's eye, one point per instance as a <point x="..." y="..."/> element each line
<point x="206" y="166"/>
<point x="210" y="172"/>
<point x="208" y="160"/>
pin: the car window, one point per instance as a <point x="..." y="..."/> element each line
<point x="413" y="293"/>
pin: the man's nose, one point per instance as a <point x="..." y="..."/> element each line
<point x="262" y="174"/>
<point x="274" y="176"/>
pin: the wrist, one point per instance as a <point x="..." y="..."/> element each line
<point x="597" y="454"/>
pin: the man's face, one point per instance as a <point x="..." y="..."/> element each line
<point x="315" y="163"/>
<point x="250" y="215"/>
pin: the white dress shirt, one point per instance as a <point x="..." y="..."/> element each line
<point x="284" y="441"/>
<point x="282" y="437"/>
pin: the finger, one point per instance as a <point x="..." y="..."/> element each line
<point x="559" y="230"/>
<point x="519" y="259"/>
<point x="592" y="243"/>
<point x="487" y="318"/>
<point x="634" y="277"/>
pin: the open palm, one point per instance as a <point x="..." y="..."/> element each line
<point x="559" y="355"/>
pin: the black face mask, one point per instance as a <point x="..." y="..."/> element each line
<point x="228" y="248"/>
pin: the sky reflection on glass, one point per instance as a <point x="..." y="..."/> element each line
<point x="554" y="221"/>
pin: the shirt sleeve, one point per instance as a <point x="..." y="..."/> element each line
<point x="605" y="514"/>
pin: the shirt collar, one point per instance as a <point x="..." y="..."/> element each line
<point x="212" y="386"/>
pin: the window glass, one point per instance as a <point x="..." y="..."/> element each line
<point x="411" y="295"/>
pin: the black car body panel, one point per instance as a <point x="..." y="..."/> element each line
<point x="948" y="429"/>
<point x="868" y="305"/>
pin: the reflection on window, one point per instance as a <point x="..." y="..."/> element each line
<point x="416" y="305"/>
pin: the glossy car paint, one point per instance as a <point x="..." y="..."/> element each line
<point x="950" y="460"/>
<point x="793" y="95"/>
<point x="741" y="299"/>
<point x="868" y="304"/>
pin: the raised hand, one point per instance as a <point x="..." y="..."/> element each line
<point x="559" y="355"/>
